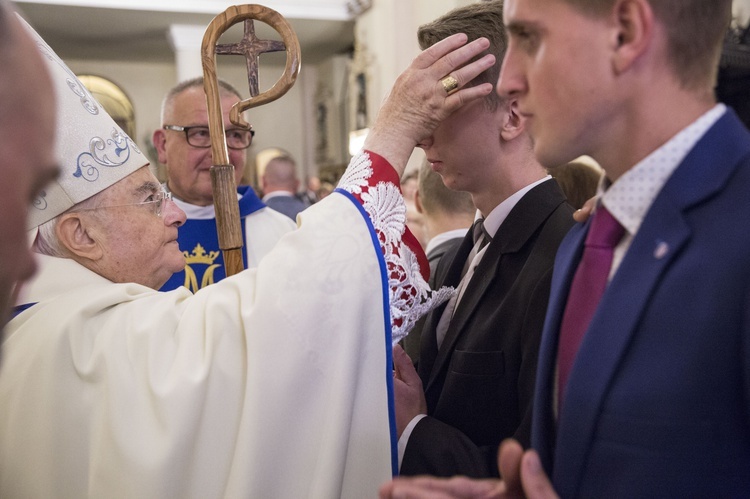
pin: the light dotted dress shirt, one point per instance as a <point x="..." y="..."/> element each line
<point x="629" y="199"/>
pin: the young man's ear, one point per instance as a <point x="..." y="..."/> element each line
<point x="634" y="22"/>
<point x="75" y="236"/>
<point x="513" y="124"/>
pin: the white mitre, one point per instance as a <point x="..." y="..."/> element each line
<point x="92" y="149"/>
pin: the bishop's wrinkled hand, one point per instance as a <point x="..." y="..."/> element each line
<point x="418" y="100"/>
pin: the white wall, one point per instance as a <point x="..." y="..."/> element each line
<point x="741" y="11"/>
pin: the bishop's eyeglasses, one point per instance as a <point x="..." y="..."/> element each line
<point x="198" y="136"/>
<point x="155" y="202"/>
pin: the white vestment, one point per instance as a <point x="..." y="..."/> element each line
<point x="275" y="382"/>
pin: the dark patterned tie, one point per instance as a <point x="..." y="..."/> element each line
<point x="588" y="286"/>
<point x="477" y="231"/>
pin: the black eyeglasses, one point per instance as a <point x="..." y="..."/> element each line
<point x="198" y="136"/>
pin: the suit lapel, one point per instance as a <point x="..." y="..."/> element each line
<point x="428" y="349"/>
<point x="543" y="419"/>
<point x="657" y="244"/>
<point x="475" y="289"/>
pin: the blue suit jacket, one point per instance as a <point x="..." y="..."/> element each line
<point x="658" y="402"/>
<point x="288" y="205"/>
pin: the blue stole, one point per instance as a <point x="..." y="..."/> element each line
<point x="21" y="308"/>
<point x="199" y="242"/>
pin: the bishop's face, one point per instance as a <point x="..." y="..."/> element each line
<point x="27" y="157"/>
<point x="188" y="167"/>
<point x="138" y="240"/>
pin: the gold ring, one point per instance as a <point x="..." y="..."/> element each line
<point x="450" y="84"/>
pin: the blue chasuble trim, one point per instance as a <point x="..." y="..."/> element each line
<point x="199" y="242"/>
<point x="388" y="337"/>
<point x="21" y="308"/>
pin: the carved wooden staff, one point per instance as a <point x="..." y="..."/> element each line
<point x="222" y="171"/>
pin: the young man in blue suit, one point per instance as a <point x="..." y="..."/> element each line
<point x="657" y="398"/>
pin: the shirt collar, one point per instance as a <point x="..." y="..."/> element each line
<point x="631" y="196"/>
<point x="497" y="216"/>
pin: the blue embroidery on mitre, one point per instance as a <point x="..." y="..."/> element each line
<point x="111" y="153"/>
<point x="87" y="101"/>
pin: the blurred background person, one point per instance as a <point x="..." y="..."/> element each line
<point x="325" y="189"/>
<point x="446" y="214"/>
<point x="446" y="217"/>
<point x="578" y="180"/>
<point x="310" y="195"/>
<point x="413" y="216"/>
<point x="280" y="184"/>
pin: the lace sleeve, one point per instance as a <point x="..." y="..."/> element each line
<point x="372" y="180"/>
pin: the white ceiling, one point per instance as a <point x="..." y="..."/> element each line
<point x="136" y="30"/>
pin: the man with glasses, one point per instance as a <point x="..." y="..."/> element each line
<point x="184" y="147"/>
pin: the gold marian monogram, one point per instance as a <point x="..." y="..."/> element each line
<point x="200" y="257"/>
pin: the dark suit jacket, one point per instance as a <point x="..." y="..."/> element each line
<point x="479" y="385"/>
<point x="658" y="401"/>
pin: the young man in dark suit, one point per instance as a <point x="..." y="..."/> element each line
<point x="653" y="399"/>
<point x="478" y="352"/>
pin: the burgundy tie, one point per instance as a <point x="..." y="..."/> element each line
<point x="586" y="291"/>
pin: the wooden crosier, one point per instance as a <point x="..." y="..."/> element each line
<point x="222" y="172"/>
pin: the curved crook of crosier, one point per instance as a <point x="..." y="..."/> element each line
<point x="215" y="29"/>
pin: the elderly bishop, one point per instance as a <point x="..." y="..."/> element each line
<point x="109" y="388"/>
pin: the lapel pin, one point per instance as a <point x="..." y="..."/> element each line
<point x="661" y="250"/>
